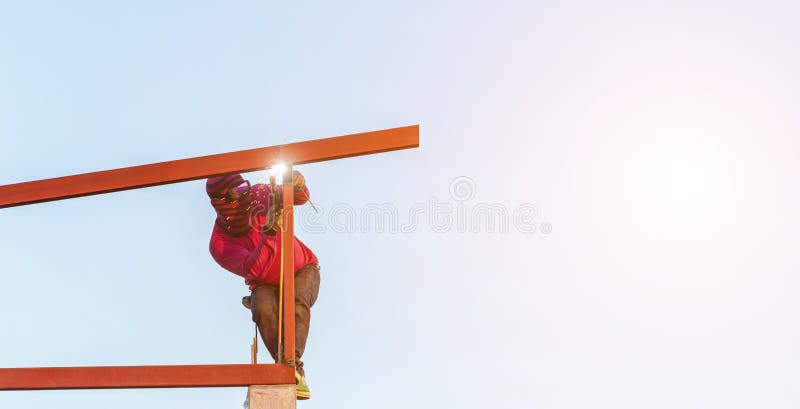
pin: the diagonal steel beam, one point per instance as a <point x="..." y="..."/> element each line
<point x="202" y="167"/>
<point x="163" y="376"/>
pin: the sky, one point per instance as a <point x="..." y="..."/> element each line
<point x="601" y="212"/>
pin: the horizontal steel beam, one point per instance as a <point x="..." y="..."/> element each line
<point x="166" y="376"/>
<point x="202" y="167"/>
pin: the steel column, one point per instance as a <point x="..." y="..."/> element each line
<point x="287" y="255"/>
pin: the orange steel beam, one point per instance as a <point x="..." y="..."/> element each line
<point x="185" y="376"/>
<point x="166" y="376"/>
<point x="202" y="167"/>
<point x="287" y="258"/>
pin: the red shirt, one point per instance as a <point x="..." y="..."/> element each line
<point x="256" y="255"/>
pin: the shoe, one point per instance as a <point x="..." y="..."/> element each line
<point x="246" y="301"/>
<point x="303" y="392"/>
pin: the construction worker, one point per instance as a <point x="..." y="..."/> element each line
<point x="246" y="241"/>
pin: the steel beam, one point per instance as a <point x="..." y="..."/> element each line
<point x="165" y="376"/>
<point x="202" y="167"/>
<point x="287" y="267"/>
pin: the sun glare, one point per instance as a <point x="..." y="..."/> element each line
<point x="684" y="181"/>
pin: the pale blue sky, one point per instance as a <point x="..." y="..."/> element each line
<point x="658" y="139"/>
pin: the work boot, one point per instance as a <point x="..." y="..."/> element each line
<point x="246" y="301"/>
<point x="303" y="392"/>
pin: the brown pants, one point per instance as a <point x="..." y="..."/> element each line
<point x="264" y="305"/>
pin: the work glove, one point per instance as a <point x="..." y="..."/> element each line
<point x="298" y="180"/>
<point x="275" y="211"/>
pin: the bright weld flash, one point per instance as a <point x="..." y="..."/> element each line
<point x="279" y="169"/>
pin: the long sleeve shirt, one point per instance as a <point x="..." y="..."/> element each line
<point x="256" y="255"/>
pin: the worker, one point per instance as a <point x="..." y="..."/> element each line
<point x="246" y="241"/>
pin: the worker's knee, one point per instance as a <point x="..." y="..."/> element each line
<point x="308" y="286"/>
<point x="263" y="305"/>
<point x="264" y="311"/>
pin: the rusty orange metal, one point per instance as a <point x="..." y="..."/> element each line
<point x="164" y="376"/>
<point x="287" y="255"/>
<point x="182" y="376"/>
<point x="202" y="167"/>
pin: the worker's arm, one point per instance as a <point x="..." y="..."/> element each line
<point x="301" y="194"/>
<point x="243" y="262"/>
<point x="262" y="192"/>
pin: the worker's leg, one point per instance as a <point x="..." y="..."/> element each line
<point x="306" y="289"/>
<point x="264" y="305"/>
